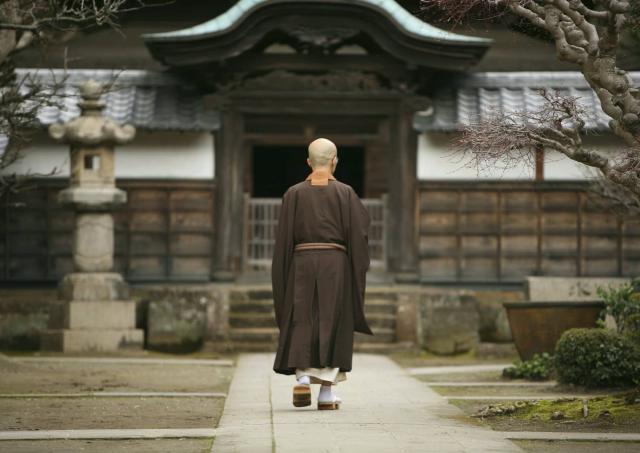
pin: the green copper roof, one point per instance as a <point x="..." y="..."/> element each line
<point x="405" y="20"/>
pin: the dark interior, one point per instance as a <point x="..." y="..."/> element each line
<point x="276" y="168"/>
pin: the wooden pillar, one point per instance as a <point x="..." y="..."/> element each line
<point x="229" y="210"/>
<point x="402" y="241"/>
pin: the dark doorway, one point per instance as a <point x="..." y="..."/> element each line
<point x="276" y="168"/>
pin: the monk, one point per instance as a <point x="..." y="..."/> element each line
<point x="318" y="275"/>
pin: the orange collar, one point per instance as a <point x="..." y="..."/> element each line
<point x="320" y="178"/>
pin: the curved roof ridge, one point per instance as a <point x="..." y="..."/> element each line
<point x="403" y="19"/>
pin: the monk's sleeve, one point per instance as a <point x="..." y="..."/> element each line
<point x="359" y="254"/>
<point x="282" y="256"/>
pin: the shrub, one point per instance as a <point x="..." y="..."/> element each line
<point x="597" y="358"/>
<point x="633" y="326"/>
<point x="538" y="368"/>
<point x="623" y="304"/>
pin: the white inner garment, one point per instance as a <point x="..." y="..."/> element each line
<point x="333" y="375"/>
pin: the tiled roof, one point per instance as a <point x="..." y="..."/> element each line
<point x="148" y="100"/>
<point x="484" y="94"/>
<point x="158" y="101"/>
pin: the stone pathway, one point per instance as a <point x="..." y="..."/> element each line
<point x="431" y="370"/>
<point x="125" y="361"/>
<point x="384" y="410"/>
<point x="117" y="395"/>
<point x="564" y="436"/>
<point x="492" y="384"/>
<point x="516" y="398"/>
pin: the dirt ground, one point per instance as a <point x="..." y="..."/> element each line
<point x="82" y="377"/>
<point x="58" y="410"/>
<point x="108" y="413"/>
<point x="137" y="446"/>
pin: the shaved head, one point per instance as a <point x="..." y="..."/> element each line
<point x="322" y="152"/>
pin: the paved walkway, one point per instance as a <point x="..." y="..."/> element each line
<point x="384" y="410"/>
<point x="125" y="361"/>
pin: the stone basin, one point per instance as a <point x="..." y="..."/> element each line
<point x="537" y="326"/>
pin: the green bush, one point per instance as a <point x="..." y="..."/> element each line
<point x="597" y="358"/>
<point x="623" y="304"/>
<point x="538" y="368"/>
<point x="633" y="325"/>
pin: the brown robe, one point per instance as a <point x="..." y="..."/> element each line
<point x="319" y="294"/>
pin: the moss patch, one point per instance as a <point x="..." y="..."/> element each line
<point x="612" y="413"/>
<point x="616" y="409"/>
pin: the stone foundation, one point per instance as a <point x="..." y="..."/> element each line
<point x="93" y="314"/>
<point x="184" y="317"/>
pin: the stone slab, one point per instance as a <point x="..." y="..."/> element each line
<point x="448" y="323"/>
<point x="430" y="370"/>
<point x="126" y="361"/>
<point x="116" y="395"/>
<point x="108" y="434"/>
<point x="559" y="436"/>
<point x="89" y="315"/>
<point x="176" y="324"/>
<point x="67" y="340"/>
<point x="493" y="384"/>
<point x="93" y="287"/>
<point x="542" y="289"/>
<point x="384" y="410"/>
<point x="517" y="397"/>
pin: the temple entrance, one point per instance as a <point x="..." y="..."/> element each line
<point x="275" y="168"/>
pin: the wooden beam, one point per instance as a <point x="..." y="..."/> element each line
<point x="229" y="219"/>
<point x="402" y="179"/>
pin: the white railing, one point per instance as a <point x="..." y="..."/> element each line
<point x="262" y="214"/>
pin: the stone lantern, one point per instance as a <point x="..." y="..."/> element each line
<point x="94" y="311"/>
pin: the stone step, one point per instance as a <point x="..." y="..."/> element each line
<point x="380" y="335"/>
<point x="253" y="346"/>
<point x="377" y="306"/>
<point x="266" y="306"/>
<point x="382" y="348"/>
<point x="251" y="319"/>
<point x="381" y="320"/>
<point x="253" y="334"/>
<point x="268" y="334"/>
<point x="250" y="295"/>
<point x="252" y="307"/>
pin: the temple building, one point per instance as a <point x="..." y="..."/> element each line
<point x="225" y="99"/>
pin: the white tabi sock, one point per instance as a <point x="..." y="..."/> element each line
<point x="304" y="380"/>
<point x="325" y="394"/>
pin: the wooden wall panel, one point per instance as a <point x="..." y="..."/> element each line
<point x="503" y="231"/>
<point x="164" y="232"/>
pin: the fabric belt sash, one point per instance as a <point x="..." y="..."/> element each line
<point x="319" y="246"/>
